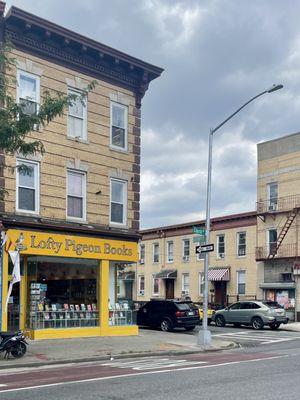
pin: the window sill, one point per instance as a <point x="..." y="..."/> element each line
<point x="241" y="256"/>
<point x="119" y="150"/>
<point x="78" y="140"/>
<point x="116" y="225"/>
<point x="28" y="213"/>
<point x="78" y="220"/>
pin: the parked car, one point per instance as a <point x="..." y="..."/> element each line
<point x="169" y="314"/>
<point x="210" y="313"/>
<point x="253" y="313"/>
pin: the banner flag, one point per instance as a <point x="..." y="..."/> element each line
<point x="16" y="274"/>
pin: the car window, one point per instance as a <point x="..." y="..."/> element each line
<point x="255" y="305"/>
<point x="245" y="306"/>
<point x="183" y="306"/>
<point x="235" y="306"/>
<point x="272" y="304"/>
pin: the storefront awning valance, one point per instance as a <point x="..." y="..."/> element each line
<point x="218" y="274"/>
<point x="127" y="276"/>
<point x="167" y="274"/>
<point x="278" y="285"/>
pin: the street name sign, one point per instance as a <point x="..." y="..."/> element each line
<point x="199" y="239"/>
<point x="199" y="231"/>
<point x="204" y="248"/>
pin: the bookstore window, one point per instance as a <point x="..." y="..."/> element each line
<point x="121" y="305"/>
<point x="62" y="292"/>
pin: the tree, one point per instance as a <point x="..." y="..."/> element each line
<point x="17" y="121"/>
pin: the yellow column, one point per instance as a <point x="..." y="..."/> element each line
<point x="103" y="295"/>
<point x="4" y="289"/>
<point x="23" y="296"/>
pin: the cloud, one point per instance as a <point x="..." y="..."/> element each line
<point x="217" y="54"/>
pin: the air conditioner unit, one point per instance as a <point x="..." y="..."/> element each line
<point x="185" y="292"/>
<point x="272" y="207"/>
<point x="221" y="255"/>
<point x="186" y="258"/>
<point x="142" y="261"/>
<point x="141" y="292"/>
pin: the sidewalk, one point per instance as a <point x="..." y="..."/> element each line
<point x="292" y="326"/>
<point x="147" y="343"/>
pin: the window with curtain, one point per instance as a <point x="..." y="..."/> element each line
<point x="76" y="194"/>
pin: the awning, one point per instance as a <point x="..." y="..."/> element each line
<point x="126" y="276"/>
<point x="167" y="274"/>
<point x="218" y="274"/>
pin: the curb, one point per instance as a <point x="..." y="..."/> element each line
<point x="231" y="345"/>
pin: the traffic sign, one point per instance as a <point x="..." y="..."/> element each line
<point x="204" y="248"/>
<point x="199" y="231"/>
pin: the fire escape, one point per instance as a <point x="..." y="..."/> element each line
<point x="289" y="205"/>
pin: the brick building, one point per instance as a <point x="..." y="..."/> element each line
<point x="76" y="209"/>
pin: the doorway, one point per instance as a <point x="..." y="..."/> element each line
<point x="169" y="288"/>
<point x="221" y="293"/>
<point x="13" y="309"/>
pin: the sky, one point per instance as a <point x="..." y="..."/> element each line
<point x="216" y="55"/>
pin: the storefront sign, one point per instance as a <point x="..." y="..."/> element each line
<point x="37" y="243"/>
<point x="296" y="270"/>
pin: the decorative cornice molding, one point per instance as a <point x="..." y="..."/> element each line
<point x="24" y="42"/>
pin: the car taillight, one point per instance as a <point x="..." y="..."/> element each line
<point x="180" y="313"/>
<point x="196" y="312"/>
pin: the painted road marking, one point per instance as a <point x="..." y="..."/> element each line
<point x="135" y="374"/>
<point x="148" y="364"/>
<point x="263" y="338"/>
<point x="2" y="385"/>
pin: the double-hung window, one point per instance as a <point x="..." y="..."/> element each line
<point x="118" y="128"/>
<point x="241" y="244"/>
<point x="272" y="241"/>
<point x="142" y="254"/>
<point x="221" y="246"/>
<point x="186" y="250"/>
<point x="272" y="193"/>
<point x="155" y="286"/>
<point x="28" y="92"/>
<point x="170" y="252"/>
<point x="141" y="285"/>
<point x="76" y="194"/>
<point x="27" y="181"/>
<point x="201" y="283"/>
<point x="241" y="282"/>
<point x="155" y="252"/>
<point x="77" y="116"/>
<point x="185" y="283"/>
<point x="118" y="202"/>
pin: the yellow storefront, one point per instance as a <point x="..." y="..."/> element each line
<point x="68" y="285"/>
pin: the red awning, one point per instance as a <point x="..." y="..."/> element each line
<point x="218" y="274"/>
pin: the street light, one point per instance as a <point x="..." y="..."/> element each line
<point x="204" y="336"/>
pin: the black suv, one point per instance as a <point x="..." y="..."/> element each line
<point x="169" y="314"/>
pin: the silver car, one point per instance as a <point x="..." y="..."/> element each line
<point x="254" y="313"/>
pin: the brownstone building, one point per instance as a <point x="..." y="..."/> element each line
<point x="76" y="209"/>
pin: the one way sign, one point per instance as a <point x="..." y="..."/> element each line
<point x="204" y="248"/>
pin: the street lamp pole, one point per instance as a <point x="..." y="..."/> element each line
<point x="204" y="336"/>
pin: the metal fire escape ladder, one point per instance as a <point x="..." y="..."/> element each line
<point x="284" y="231"/>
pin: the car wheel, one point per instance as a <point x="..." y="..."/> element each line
<point x="236" y="324"/>
<point x="166" y="325"/>
<point x="275" y="326"/>
<point x="189" y="328"/>
<point x="220" y="321"/>
<point x="257" y="323"/>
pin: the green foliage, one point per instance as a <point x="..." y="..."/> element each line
<point x="15" y="123"/>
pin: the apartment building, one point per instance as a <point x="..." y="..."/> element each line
<point x="75" y="212"/>
<point x="278" y="204"/>
<point x="168" y="266"/>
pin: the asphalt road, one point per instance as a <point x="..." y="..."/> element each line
<point x="266" y="367"/>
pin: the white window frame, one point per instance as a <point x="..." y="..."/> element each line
<point x="242" y="283"/>
<point x="141" y="292"/>
<point x="125" y="108"/>
<point x="153" y="253"/>
<point x="201" y="282"/>
<point x="36" y="167"/>
<point x="185" y="284"/>
<point x="170" y="254"/>
<point x="238" y="243"/>
<point x="221" y="255"/>
<point x="186" y="258"/>
<point x="31" y="76"/>
<point x="84" y="118"/>
<point x="153" y="285"/>
<point x="124" y="183"/>
<point x="142" y="253"/>
<point x="76" y="171"/>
